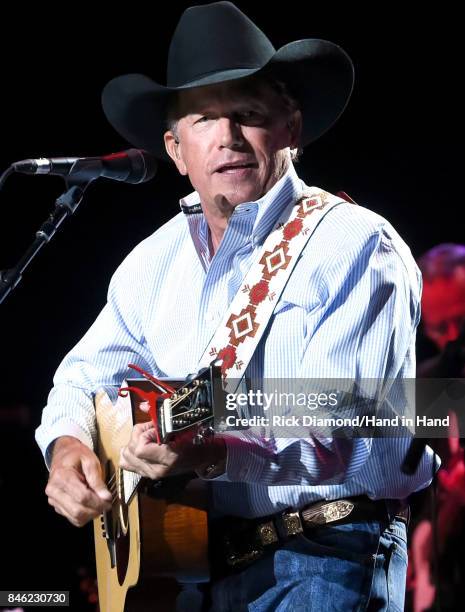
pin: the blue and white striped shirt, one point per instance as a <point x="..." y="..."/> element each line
<point x="349" y="311"/>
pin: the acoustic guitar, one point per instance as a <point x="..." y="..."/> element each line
<point x="155" y="535"/>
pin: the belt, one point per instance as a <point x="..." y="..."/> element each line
<point x="245" y="540"/>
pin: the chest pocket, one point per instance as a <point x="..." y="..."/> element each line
<point x="296" y="307"/>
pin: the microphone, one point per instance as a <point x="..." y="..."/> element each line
<point x="131" y="166"/>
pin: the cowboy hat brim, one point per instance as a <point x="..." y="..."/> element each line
<point x="318" y="73"/>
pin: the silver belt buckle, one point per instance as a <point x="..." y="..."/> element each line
<point x="326" y="512"/>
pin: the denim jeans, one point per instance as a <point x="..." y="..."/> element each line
<point x="357" y="566"/>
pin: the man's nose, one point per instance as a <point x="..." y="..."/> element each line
<point x="229" y="133"/>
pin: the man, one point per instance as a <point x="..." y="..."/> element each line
<point x="443" y="306"/>
<point x="236" y="110"/>
<point x="443" y="322"/>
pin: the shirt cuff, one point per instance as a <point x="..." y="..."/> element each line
<point x="59" y="429"/>
<point x="246" y="459"/>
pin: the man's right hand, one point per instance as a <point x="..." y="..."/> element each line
<point x="75" y="486"/>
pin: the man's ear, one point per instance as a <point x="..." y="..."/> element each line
<point x="173" y="148"/>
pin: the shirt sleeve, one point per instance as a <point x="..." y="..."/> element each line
<point x="99" y="360"/>
<point x="364" y="328"/>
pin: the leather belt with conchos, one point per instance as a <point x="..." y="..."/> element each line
<point x="239" y="333"/>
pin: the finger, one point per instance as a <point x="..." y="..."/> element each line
<point x="156" y="453"/>
<point x="136" y="434"/>
<point x="141" y="427"/>
<point x="142" y="437"/>
<point x="70" y="483"/>
<point x="142" y="430"/>
<point x="93" y="473"/>
<point x="132" y="463"/>
<point x="58" y="509"/>
<point x="77" y="514"/>
<point x="150" y="435"/>
<point x="147" y="447"/>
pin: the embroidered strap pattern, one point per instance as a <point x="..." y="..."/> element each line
<point x="236" y="338"/>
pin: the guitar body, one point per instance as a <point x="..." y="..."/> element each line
<point x="143" y="546"/>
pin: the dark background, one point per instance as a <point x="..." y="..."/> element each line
<point x="395" y="150"/>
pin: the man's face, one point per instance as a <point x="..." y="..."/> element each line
<point x="443" y="307"/>
<point x="234" y="140"/>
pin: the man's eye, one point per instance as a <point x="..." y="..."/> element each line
<point x="249" y="114"/>
<point x="250" y="117"/>
<point x="203" y="119"/>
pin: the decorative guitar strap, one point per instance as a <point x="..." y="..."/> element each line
<point x="242" y="327"/>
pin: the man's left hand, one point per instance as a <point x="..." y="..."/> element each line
<point x="146" y="457"/>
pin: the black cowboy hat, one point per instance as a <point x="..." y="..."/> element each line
<point x="214" y="43"/>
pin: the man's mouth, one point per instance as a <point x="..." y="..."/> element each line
<point x="234" y="168"/>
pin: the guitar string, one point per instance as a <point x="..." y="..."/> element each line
<point x="113" y="487"/>
<point x="111" y="482"/>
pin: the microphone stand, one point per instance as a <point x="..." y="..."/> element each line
<point x="65" y="206"/>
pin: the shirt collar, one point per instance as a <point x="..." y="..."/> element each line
<point x="262" y="213"/>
